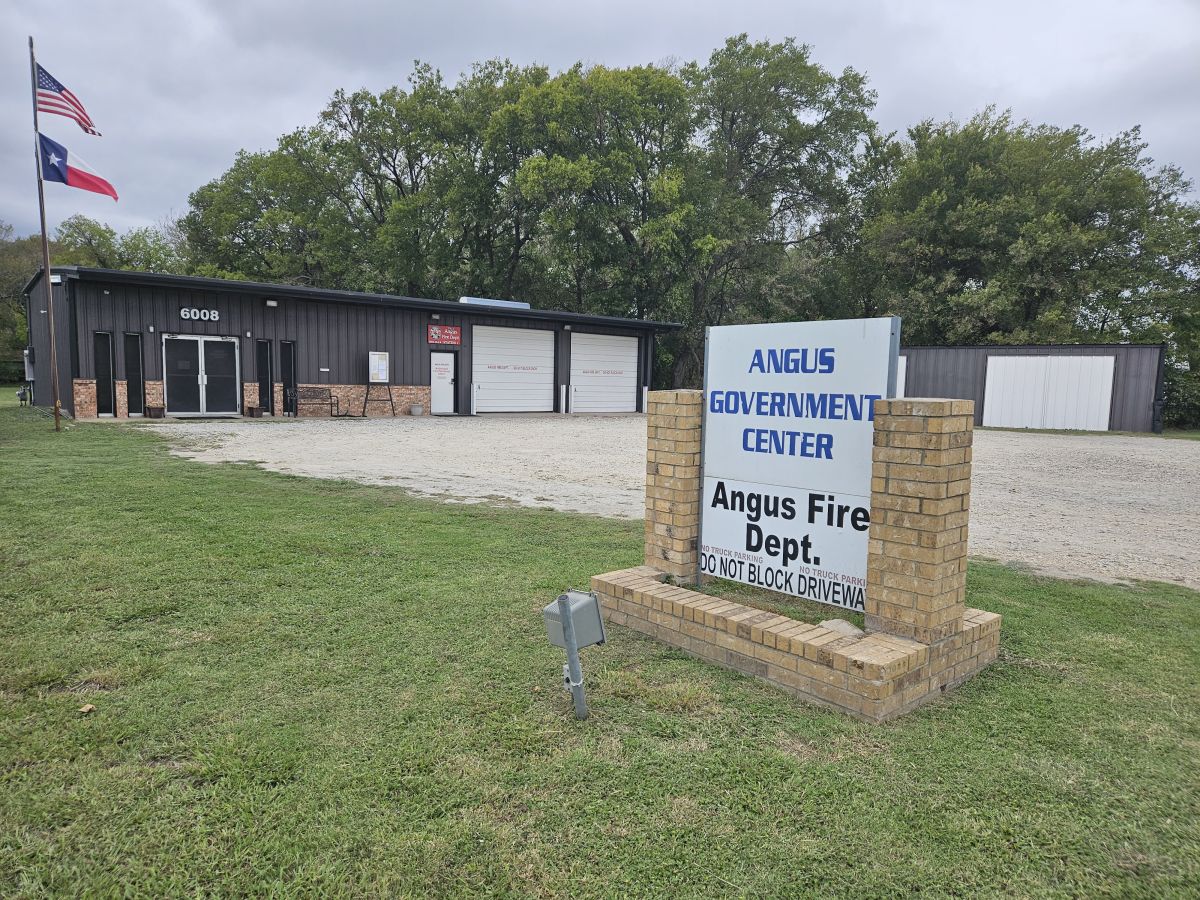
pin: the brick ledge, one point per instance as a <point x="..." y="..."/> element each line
<point x="873" y="677"/>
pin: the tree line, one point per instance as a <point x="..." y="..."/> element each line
<point x="752" y="187"/>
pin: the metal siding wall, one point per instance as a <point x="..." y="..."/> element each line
<point x="465" y="373"/>
<point x="961" y="372"/>
<point x="955" y="372"/>
<point x="418" y="336"/>
<point x="326" y="334"/>
<point x="562" y="371"/>
<point x="37" y="333"/>
<point x="642" y="346"/>
<point x="85" y="317"/>
<point x="1134" y="384"/>
<point x="39" y="339"/>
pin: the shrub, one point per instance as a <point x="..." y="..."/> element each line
<point x="1181" y="406"/>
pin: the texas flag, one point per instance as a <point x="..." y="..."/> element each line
<point x="58" y="165"/>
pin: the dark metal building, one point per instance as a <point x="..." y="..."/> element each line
<point x="133" y="342"/>
<point x="1115" y="387"/>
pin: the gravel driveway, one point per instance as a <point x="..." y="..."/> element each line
<point x="1102" y="506"/>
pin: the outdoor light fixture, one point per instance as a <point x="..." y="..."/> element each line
<point x="574" y="620"/>
<point x="272" y="303"/>
<point x="435" y="317"/>
<point x="247" y="334"/>
<point x="566" y="328"/>
<point x="151" y="329"/>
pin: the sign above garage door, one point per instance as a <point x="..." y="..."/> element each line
<point x="512" y="369"/>
<point x="604" y="373"/>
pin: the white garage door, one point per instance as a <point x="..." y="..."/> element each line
<point x="1069" y="392"/>
<point x="513" y="369"/>
<point x="604" y="373"/>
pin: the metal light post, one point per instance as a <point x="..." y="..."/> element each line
<point x="572" y="673"/>
<point x="573" y="621"/>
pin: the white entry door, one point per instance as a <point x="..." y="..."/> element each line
<point x="441" y="385"/>
<point x="604" y="373"/>
<point x="512" y="369"/>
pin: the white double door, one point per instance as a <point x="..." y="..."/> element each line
<point x="1057" y="392"/>
<point x="201" y="375"/>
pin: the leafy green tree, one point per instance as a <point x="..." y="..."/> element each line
<point x="259" y="221"/>
<point x="19" y="259"/>
<point x="778" y="136"/>
<point x="645" y="192"/>
<point x="752" y="187"/>
<point x="82" y="241"/>
<point x="614" y="154"/>
<point x="490" y="224"/>
<point x="995" y="231"/>
<point x="1000" y="232"/>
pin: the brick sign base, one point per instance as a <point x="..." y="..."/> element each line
<point x="921" y="639"/>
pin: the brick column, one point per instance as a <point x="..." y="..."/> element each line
<point x="920" y="498"/>
<point x="84" y="397"/>
<point x="121" y="389"/>
<point x="673" y="481"/>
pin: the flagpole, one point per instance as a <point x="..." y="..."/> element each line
<point x="46" y="279"/>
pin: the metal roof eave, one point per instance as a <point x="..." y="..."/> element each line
<point x="294" y="292"/>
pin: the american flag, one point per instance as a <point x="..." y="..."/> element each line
<point x="53" y="98"/>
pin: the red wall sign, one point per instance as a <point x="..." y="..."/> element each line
<point x="445" y="334"/>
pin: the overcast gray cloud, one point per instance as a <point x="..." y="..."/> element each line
<point x="179" y="86"/>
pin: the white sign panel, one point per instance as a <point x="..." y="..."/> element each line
<point x="377" y="367"/>
<point x="788" y="430"/>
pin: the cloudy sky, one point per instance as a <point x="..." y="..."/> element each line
<point x="179" y="86"/>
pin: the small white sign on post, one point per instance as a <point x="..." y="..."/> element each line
<point x="788" y="431"/>
<point x="377" y="367"/>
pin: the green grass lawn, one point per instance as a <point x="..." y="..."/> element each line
<point x="311" y="687"/>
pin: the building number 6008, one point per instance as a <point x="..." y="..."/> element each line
<point x="205" y="315"/>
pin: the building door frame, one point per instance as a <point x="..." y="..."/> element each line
<point x="287" y="376"/>
<point x="102" y="365"/>
<point x="441" y="389"/>
<point x="265" y="375"/>
<point x="202" y="376"/>
<point x="135" y="375"/>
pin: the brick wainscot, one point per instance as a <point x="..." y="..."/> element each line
<point x="350" y="399"/>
